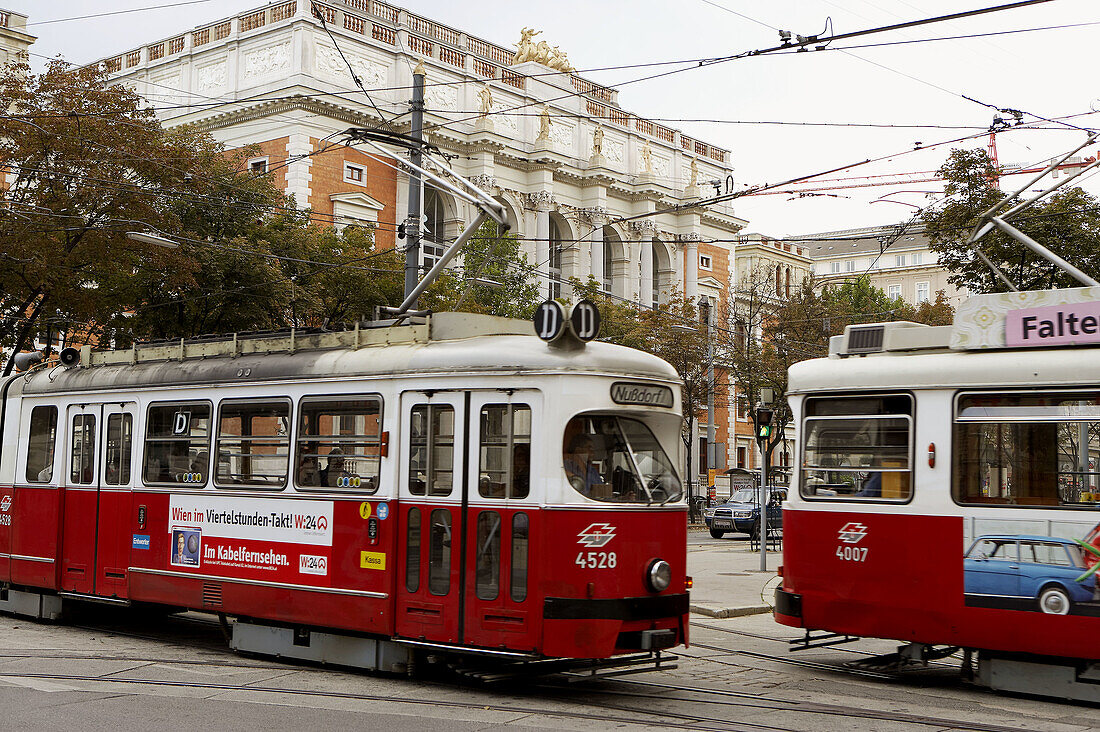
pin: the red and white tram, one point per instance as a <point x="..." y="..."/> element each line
<point x="949" y="489"/>
<point x="353" y="497"/>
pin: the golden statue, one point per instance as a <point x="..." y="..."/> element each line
<point x="525" y="49"/>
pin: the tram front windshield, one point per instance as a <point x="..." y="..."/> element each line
<point x="617" y="459"/>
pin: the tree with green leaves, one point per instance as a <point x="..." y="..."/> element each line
<point x="1067" y="223"/>
<point x="88" y="162"/>
<point x="765" y="334"/>
<point x="494" y="278"/>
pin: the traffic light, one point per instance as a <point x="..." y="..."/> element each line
<point x="764" y="422"/>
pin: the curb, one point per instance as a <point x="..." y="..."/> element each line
<point x="730" y="612"/>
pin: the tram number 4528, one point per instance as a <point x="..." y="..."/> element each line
<point x="596" y="560"/>
<point x="852" y="553"/>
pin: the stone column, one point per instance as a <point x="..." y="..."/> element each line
<point x="642" y="233"/>
<point x="597" y="219"/>
<point x="691" y="265"/>
<point x="541" y="202"/>
<point x="624" y="269"/>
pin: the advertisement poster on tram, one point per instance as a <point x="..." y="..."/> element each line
<point x="1032" y="572"/>
<point x="252" y="538"/>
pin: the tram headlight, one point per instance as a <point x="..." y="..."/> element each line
<point x="658" y="576"/>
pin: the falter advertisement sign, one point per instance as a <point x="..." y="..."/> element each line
<point x="270" y="539"/>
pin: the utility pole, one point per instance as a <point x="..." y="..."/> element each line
<point x="412" y="222"/>
<point x="764" y="416"/>
<point x="711" y="458"/>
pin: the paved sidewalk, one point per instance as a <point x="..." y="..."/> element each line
<point x="728" y="580"/>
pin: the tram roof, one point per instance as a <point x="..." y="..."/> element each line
<point x="948" y="369"/>
<point x="445" y="343"/>
<point x="1037" y="337"/>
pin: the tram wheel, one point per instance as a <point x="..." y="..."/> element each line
<point x="717" y="534"/>
<point x="1055" y="601"/>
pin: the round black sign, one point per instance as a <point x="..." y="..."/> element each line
<point x="549" y="320"/>
<point x="585" y="320"/>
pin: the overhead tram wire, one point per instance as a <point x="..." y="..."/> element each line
<point x="793" y="48"/>
<point x="354" y="77"/>
<point x="119" y="12"/>
<point x="343" y="92"/>
<point x="760" y="52"/>
<point x="788" y="47"/>
<point x="785" y="47"/>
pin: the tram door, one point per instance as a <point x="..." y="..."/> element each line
<point x="500" y="510"/>
<point x="465" y="518"/>
<point x="97" y="478"/>
<point x="433" y="457"/>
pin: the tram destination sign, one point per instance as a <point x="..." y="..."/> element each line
<point x="626" y="392"/>
<point x="1053" y="325"/>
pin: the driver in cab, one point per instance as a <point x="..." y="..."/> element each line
<point x="582" y="470"/>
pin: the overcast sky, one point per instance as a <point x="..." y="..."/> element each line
<point x="913" y="87"/>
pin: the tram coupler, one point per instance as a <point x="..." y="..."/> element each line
<point x="911" y="654"/>
<point x="819" y="640"/>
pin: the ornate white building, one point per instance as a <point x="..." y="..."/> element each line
<point x="566" y="160"/>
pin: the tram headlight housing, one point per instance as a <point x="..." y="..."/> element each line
<point x="658" y="575"/>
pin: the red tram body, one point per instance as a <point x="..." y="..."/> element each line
<point x="353" y="497"/>
<point x="949" y="490"/>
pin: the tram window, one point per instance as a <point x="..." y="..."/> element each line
<point x="439" y="552"/>
<point x="520" y="532"/>
<point x="431" y="449"/>
<point x="505" y="470"/>
<point x="412" y="551"/>
<point x="616" y="459"/>
<point x="857" y="448"/>
<point x="83" y="449"/>
<point x="40" y="444"/>
<point x="1035" y="450"/>
<point x="339" y="443"/>
<point x="116" y="461"/>
<point x="253" y="444"/>
<point x="177" y="443"/>
<point x="487" y="562"/>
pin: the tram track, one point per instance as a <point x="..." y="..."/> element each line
<point x="664" y="719"/>
<point x="748" y="699"/>
<point x="630" y="701"/>
<point x="626" y="714"/>
<point x="591" y="696"/>
<point x="838" y="648"/>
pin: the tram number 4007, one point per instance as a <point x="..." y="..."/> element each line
<point x="596" y="560"/>
<point x="852" y="553"/>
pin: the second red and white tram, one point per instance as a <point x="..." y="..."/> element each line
<point x="451" y="485"/>
<point x="948" y="490"/>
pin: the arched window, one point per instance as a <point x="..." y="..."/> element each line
<point x="778" y="283"/>
<point x="788" y="285"/>
<point x="556" y="246"/>
<point x="434" y="236"/>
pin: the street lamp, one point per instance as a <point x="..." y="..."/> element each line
<point x="150" y="238"/>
